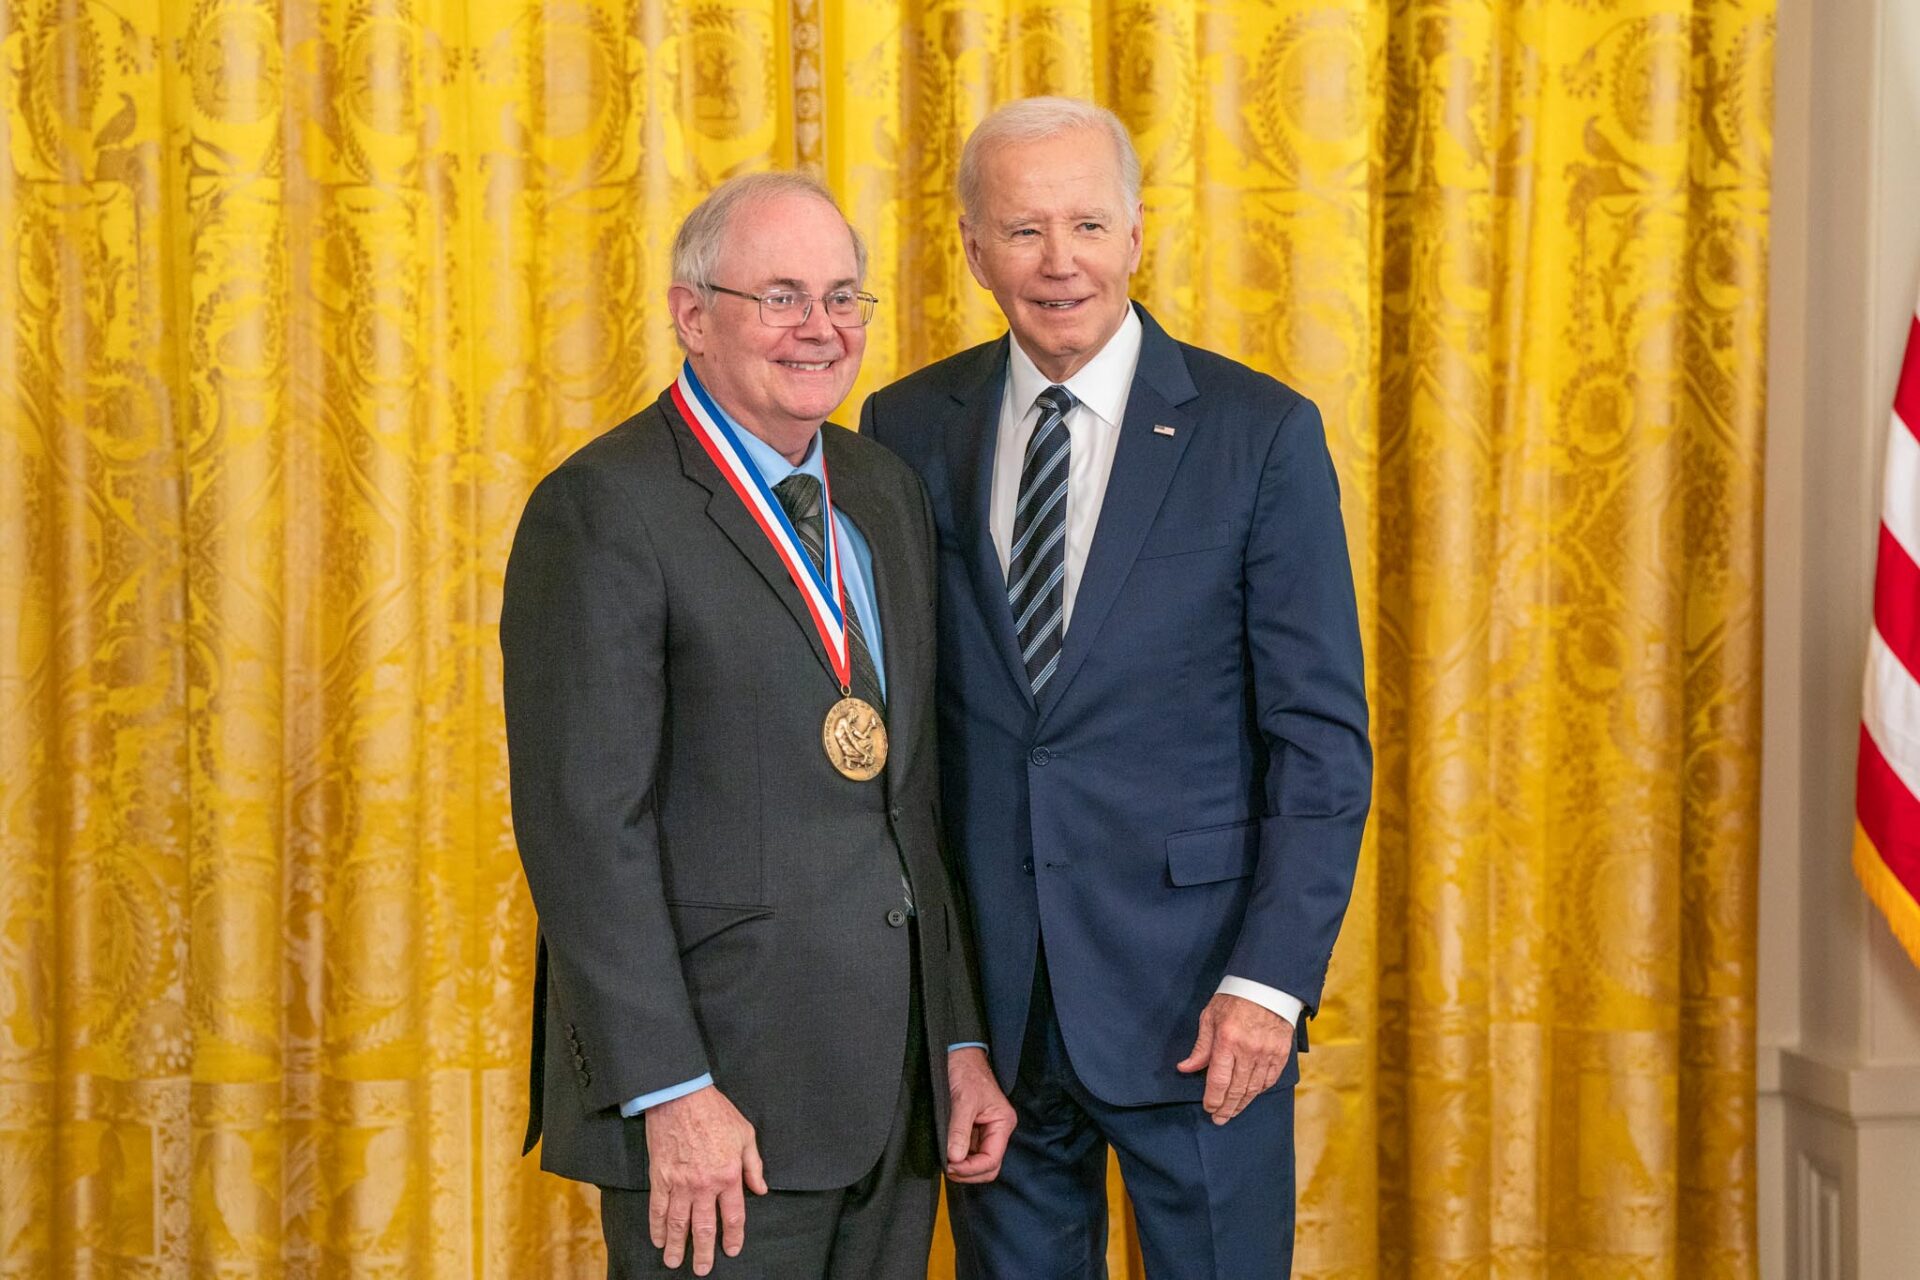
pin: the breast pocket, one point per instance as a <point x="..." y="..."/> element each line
<point x="1186" y="539"/>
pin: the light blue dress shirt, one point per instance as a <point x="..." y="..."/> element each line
<point x="856" y="575"/>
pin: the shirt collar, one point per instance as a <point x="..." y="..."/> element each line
<point x="1102" y="384"/>
<point x="770" y="462"/>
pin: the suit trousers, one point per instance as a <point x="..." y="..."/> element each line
<point x="880" y="1228"/>
<point x="1210" y="1200"/>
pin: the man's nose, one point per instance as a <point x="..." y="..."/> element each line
<point x="1056" y="253"/>
<point x="817" y="325"/>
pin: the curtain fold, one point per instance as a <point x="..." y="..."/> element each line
<point x="303" y="296"/>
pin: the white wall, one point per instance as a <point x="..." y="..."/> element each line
<point x="1839" y="1011"/>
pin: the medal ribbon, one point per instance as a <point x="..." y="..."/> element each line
<point x="822" y="592"/>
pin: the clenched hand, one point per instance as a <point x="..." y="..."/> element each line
<point x="982" y="1119"/>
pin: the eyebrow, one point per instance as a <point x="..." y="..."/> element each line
<point x="1084" y="215"/>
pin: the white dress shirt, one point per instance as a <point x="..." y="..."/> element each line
<point x="1101" y="388"/>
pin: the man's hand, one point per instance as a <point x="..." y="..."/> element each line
<point x="982" y="1119"/>
<point x="1243" y="1048"/>
<point x="700" y="1150"/>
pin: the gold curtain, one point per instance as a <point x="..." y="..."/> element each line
<point x="302" y="296"/>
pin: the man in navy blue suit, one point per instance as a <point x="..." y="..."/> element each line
<point x="1153" y="723"/>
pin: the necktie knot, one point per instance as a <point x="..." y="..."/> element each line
<point x="1055" y="399"/>
<point x="799" y="493"/>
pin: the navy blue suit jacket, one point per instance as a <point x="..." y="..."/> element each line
<point x="1187" y="797"/>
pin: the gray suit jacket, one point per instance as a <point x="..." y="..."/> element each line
<point x="712" y="895"/>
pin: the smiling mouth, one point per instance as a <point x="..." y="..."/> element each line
<point x="807" y="366"/>
<point x="1057" y="304"/>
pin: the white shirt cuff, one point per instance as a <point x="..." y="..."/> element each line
<point x="1272" y="999"/>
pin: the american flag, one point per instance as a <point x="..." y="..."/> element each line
<point x="1886" y="833"/>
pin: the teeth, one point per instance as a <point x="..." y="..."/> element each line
<point x="811" y="368"/>
<point x="1058" y="305"/>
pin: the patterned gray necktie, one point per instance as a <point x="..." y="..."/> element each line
<point x="800" y="495"/>
<point x="1037" y="565"/>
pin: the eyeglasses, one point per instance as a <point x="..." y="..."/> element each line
<point x="788" y="309"/>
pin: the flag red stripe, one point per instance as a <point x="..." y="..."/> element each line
<point x="1906" y="396"/>
<point x="1896" y="602"/>
<point x="1890" y="815"/>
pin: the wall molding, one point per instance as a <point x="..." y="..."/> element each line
<point x="1820" y="1214"/>
<point x="1858" y="1093"/>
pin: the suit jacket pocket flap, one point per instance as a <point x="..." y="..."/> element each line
<point x="1183" y="538"/>
<point x="1213" y="853"/>
<point x="697" y="922"/>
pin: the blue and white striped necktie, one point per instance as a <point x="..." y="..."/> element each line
<point x="1037" y="565"/>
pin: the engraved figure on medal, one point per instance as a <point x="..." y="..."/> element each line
<point x="855" y="739"/>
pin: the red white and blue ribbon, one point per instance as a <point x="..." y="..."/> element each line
<point x="822" y="592"/>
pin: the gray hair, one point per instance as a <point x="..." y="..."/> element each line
<point x="1030" y="120"/>
<point x="697" y="245"/>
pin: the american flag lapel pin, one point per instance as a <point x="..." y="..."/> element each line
<point x="1160" y="430"/>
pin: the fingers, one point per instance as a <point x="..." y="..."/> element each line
<point x="1202" y="1045"/>
<point x="657" y="1211"/>
<point x="1219" y="1078"/>
<point x="679" y="1220"/>
<point x="733" y="1220"/>
<point x="706" y="1230"/>
<point x="959" y="1131"/>
<point x="997" y="1132"/>
<point x="1239" y="1089"/>
<point x="990" y="1139"/>
<point x="754" y="1176"/>
<point x="990" y="1146"/>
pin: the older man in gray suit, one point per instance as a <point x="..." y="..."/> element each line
<point x="754" y="970"/>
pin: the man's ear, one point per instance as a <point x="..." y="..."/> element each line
<point x="689" y="313"/>
<point x="972" y="248"/>
<point x="1139" y="236"/>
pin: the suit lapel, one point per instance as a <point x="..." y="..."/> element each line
<point x="1143" y="467"/>
<point x="902" y="627"/>
<point x="972" y="437"/>
<point x="725" y="509"/>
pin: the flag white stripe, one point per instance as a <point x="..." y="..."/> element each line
<point x="1901" y="503"/>
<point x="1892" y="711"/>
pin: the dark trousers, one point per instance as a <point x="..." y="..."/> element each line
<point x="1211" y="1200"/>
<point x="880" y="1228"/>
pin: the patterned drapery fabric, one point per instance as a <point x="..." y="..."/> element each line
<point x="301" y="296"/>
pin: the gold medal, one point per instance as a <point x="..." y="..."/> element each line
<point x="855" y="739"/>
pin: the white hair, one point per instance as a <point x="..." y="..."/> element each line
<point x="702" y="236"/>
<point x="1030" y="120"/>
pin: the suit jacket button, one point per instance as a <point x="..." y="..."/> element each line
<point x="1027" y="866"/>
<point x="1040" y="755"/>
<point x="894" y="813"/>
<point x="896" y="917"/>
